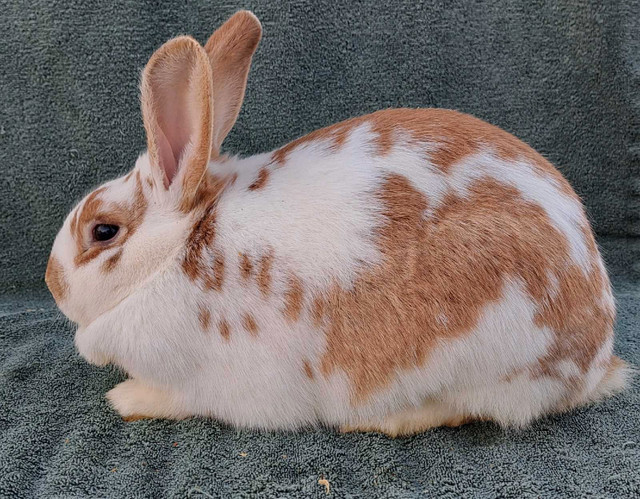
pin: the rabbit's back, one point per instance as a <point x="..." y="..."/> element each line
<point x="412" y="251"/>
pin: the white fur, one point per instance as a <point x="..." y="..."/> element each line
<point x="325" y="236"/>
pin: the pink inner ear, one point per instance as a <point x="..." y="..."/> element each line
<point x="177" y="118"/>
<point x="176" y="107"/>
<point x="166" y="158"/>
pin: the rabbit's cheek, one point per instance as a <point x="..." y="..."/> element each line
<point x="56" y="280"/>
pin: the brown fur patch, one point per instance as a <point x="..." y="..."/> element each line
<point x="246" y="267"/>
<point x="95" y="210"/>
<point x="260" y="182"/>
<point x="451" y="266"/>
<point x="453" y="135"/>
<point x="580" y="322"/>
<point x="225" y="330"/>
<point x="85" y="215"/>
<point x="250" y="324"/>
<point x="135" y="417"/>
<point x="213" y="278"/>
<point x="293" y="299"/>
<point x="308" y="371"/>
<point x="56" y="282"/>
<point x="209" y="191"/>
<point x="201" y="239"/>
<point x="74" y="222"/>
<point x="318" y="310"/>
<point x="111" y="262"/>
<point x="264" y="274"/>
<point x="204" y="316"/>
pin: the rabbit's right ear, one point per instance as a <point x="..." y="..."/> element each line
<point x="230" y="50"/>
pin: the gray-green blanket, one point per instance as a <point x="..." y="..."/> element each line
<point x="563" y="75"/>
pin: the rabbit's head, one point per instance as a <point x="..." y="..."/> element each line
<point x="128" y="229"/>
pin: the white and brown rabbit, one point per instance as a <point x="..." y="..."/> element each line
<point x="395" y="272"/>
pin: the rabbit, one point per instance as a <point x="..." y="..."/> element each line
<point x="395" y="272"/>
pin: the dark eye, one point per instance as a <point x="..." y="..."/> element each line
<point x="104" y="232"/>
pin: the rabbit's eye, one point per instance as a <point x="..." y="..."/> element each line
<point x="104" y="232"/>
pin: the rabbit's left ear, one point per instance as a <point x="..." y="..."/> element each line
<point x="230" y="50"/>
<point x="177" y="109"/>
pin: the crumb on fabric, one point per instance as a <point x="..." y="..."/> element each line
<point x="327" y="486"/>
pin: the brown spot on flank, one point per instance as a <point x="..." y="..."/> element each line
<point x="204" y="316"/>
<point x="318" y="310"/>
<point x="56" y="282"/>
<point x="453" y="265"/>
<point x="264" y="274"/>
<point x="581" y="323"/>
<point x="213" y="277"/>
<point x="449" y="135"/>
<point x="250" y="325"/>
<point x="111" y="262"/>
<point x="263" y="176"/>
<point x="150" y="182"/>
<point x="308" y="371"/>
<point x="246" y="267"/>
<point x="225" y="331"/>
<point x="293" y="299"/>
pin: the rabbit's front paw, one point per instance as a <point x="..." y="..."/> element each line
<point x="134" y="400"/>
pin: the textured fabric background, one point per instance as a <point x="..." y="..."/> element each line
<point x="563" y="75"/>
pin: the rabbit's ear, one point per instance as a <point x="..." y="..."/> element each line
<point x="230" y="50"/>
<point x="177" y="109"/>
